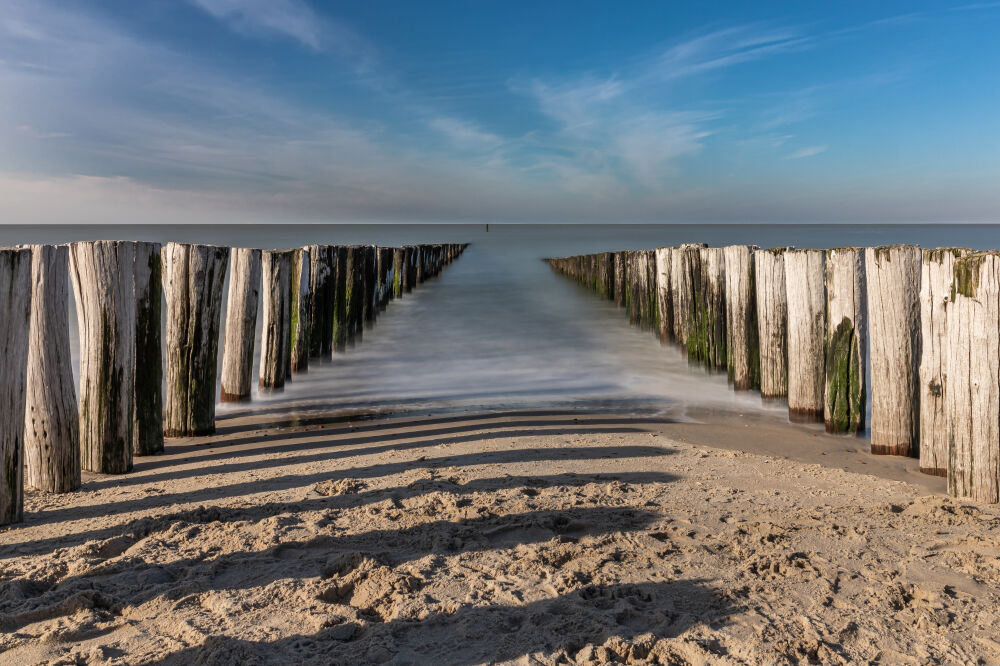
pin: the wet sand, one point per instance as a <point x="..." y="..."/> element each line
<point x="546" y="536"/>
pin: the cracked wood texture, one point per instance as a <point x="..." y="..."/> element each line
<point x="893" y="274"/>
<point x="805" y="278"/>
<point x="241" y="325"/>
<point x="742" y="344"/>
<point x="51" y="419"/>
<point x="148" y="438"/>
<point x="276" y="333"/>
<point x="685" y="264"/>
<point x="321" y="304"/>
<point x="845" y="398"/>
<point x="936" y="274"/>
<point x="707" y="334"/>
<point x="664" y="294"/>
<point x="341" y="287"/>
<point x="193" y="277"/>
<point x="973" y="368"/>
<point x="620" y="286"/>
<point x="398" y="271"/>
<point x="772" y="321"/>
<point x="15" y="327"/>
<point x="104" y="286"/>
<point x="298" y="301"/>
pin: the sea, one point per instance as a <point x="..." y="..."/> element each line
<point x="498" y="329"/>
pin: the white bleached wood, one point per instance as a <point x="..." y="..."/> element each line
<point x="103" y="283"/>
<point x="664" y="294"/>
<point x="893" y="274"/>
<point x="806" y="302"/>
<point x="772" y="321"/>
<point x="51" y="420"/>
<point x="241" y="325"/>
<point x="742" y="344"/>
<point x="936" y="274"/>
<point x="973" y="368"/>
<point x="300" y="304"/>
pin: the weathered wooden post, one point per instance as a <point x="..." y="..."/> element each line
<point x="148" y="437"/>
<point x="276" y="334"/>
<point x="369" y="280"/>
<point x="893" y="273"/>
<point x="193" y="277"/>
<point x="973" y="368"/>
<point x="299" y="303"/>
<point x="845" y="399"/>
<point x="664" y="295"/>
<point x="322" y="286"/>
<point x="621" y="282"/>
<point x="772" y="321"/>
<point x="355" y="295"/>
<point x="412" y="258"/>
<point x="683" y="261"/>
<point x="706" y="340"/>
<point x="805" y="275"/>
<point x="651" y="294"/>
<point x="385" y="277"/>
<point x="241" y="325"/>
<point x="15" y="331"/>
<point x="51" y="420"/>
<point x="742" y="341"/>
<point x="104" y="286"/>
<point x="398" y="271"/>
<point x="341" y="323"/>
<point x="936" y="277"/>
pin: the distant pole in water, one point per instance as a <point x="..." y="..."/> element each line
<point x="893" y="274"/>
<point x="15" y="317"/>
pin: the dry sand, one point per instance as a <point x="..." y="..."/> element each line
<point x="526" y="537"/>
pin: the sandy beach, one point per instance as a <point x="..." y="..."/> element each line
<point x="534" y="537"/>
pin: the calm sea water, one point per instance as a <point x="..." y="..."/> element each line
<point x="498" y="329"/>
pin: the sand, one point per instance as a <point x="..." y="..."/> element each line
<point x="546" y="537"/>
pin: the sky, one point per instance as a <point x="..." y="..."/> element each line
<point x="271" y="111"/>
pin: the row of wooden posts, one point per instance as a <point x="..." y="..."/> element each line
<point x="797" y="324"/>
<point x="317" y="300"/>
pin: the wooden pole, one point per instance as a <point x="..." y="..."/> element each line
<point x="193" y="277"/>
<point x="385" y="277"/>
<point x="664" y="295"/>
<point x="276" y="339"/>
<point x="51" y="420"/>
<point x="241" y="325"/>
<point x="148" y="436"/>
<point x="806" y="298"/>
<point x="355" y="279"/>
<point x="104" y="286"/>
<point x="707" y="336"/>
<point x="845" y="399"/>
<point x="300" y="304"/>
<point x="742" y="343"/>
<point x="398" y="271"/>
<point x="651" y="299"/>
<point x="15" y="331"/>
<point x="685" y="265"/>
<point x="341" y="322"/>
<point x="893" y="273"/>
<point x="410" y="276"/>
<point x="621" y="284"/>
<point x="772" y="321"/>
<point x="321" y="303"/>
<point x="973" y="367"/>
<point x="937" y="273"/>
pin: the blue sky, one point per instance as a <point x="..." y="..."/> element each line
<point x="211" y="111"/>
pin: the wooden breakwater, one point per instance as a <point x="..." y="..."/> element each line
<point x="797" y="325"/>
<point x="316" y="300"/>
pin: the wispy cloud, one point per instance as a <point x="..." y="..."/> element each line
<point x="464" y="134"/>
<point x="289" y="18"/>
<point x="807" y="152"/>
